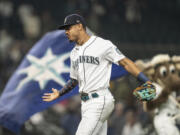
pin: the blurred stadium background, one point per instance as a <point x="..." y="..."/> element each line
<point x="140" y="29"/>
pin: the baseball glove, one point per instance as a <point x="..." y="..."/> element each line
<point x="145" y="92"/>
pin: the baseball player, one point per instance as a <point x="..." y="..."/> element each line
<point x="91" y="62"/>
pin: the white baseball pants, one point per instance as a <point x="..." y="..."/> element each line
<point x="95" y="113"/>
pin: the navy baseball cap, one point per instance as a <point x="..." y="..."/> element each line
<point x="72" y="20"/>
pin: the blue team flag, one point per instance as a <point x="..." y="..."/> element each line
<point x="46" y="66"/>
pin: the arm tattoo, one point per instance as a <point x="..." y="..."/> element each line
<point x="68" y="86"/>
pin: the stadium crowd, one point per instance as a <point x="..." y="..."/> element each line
<point x="22" y="23"/>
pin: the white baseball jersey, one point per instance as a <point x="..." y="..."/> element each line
<point x="91" y="63"/>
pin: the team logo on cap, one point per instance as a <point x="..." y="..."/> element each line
<point x="77" y="21"/>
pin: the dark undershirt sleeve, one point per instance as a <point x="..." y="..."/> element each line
<point x="72" y="83"/>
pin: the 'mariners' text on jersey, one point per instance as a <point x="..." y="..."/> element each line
<point x="85" y="59"/>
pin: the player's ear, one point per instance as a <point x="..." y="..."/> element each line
<point x="80" y="26"/>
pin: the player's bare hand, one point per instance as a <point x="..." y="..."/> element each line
<point x="51" y="96"/>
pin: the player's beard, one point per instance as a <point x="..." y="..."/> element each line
<point x="72" y="39"/>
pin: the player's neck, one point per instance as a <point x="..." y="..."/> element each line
<point x="83" y="39"/>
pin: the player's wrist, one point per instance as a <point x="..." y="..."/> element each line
<point x="59" y="93"/>
<point x="142" y="77"/>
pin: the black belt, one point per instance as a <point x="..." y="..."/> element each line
<point x="85" y="96"/>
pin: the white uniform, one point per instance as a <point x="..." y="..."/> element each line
<point x="163" y="119"/>
<point x="91" y="65"/>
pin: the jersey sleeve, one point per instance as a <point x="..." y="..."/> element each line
<point x="73" y="73"/>
<point x="113" y="54"/>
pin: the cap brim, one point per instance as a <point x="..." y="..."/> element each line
<point x="62" y="27"/>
